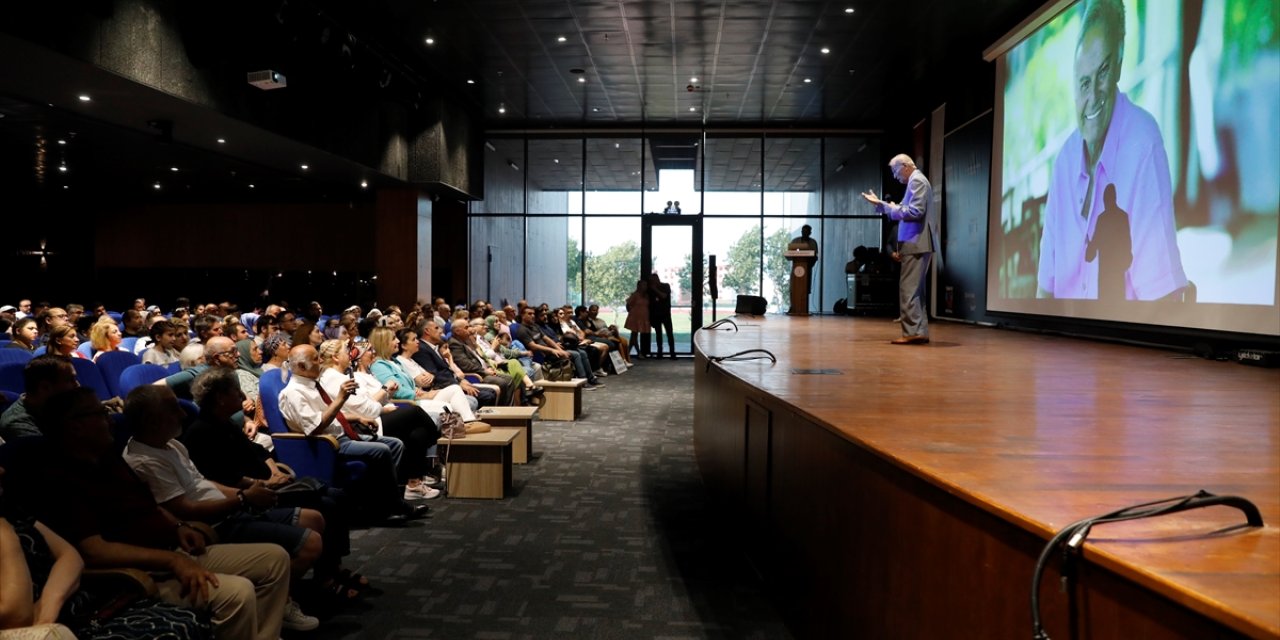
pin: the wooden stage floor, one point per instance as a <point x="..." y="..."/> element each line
<point x="1041" y="431"/>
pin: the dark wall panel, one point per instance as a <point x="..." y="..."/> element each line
<point x="962" y="284"/>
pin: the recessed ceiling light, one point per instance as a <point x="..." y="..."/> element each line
<point x="84" y="98"/>
<point x="222" y="140"/>
<point x="561" y="39"/>
<point x="502" y="108"/>
<point x="617" y="145"/>
<point x="364" y="184"/>
<point x="826" y="50"/>
<point x="65" y="187"/>
<point x="251" y="186"/>
<point x="595" y="109"/>
<point x="430" y="40"/>
<point x="304" y="166"/>
<point x="63" y="168"/>
<point x="470" y="81"/>
<point x="556" y="160"/>
<point x="173" y="168"/>
<point x="693" y="108"/>
<point x="808" y="80"/>
<point x="581" y="79"/>
<point x="848" y="9"/>
<point x="62" y="142"/>
<point x="693" y="79"/>
<point x="156" y="186"/>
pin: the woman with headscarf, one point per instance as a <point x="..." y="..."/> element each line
<point x="276" y="350"/>
<point x="248" y="373"/>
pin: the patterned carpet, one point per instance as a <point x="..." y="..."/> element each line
<point x="607" y="535"/>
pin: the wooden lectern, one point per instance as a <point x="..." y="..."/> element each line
<point x="802" y="261"/>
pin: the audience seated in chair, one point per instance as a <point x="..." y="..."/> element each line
<point x="462" y="345"/>
<point x="45" y="377"/>
<point x="371" y="405"/>
<point x="275" y="350"/>
<point x="50" y="319"/>
<point x="161" y="350"/>
<point x="63" y="342"/>
<point x="105" y="336"/>
<point x="26" y="335"/>
<point x="248" y="514"/>
<point x="220" y="352"/>
<point x="206" y="326"/>
<point x="308" y="409"/>
<point x="41" y="593"/>
<point x="486" y="344"/>
<point x="432" y="357"/>
<point x="436" y="399"/>
<point x="223" y="455"/>
<point x="134" y="323"/>
<point x="84" y="491"/>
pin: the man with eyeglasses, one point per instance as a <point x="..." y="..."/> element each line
<point x="50" y="319"/>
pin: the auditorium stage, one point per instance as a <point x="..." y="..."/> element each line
<point x="909" y="494"/>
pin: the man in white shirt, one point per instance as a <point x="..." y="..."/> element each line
<point x="238" y="516"/>
<point x="306" y="410"/>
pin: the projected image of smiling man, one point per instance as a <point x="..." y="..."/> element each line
<point x="1116" y="142"/>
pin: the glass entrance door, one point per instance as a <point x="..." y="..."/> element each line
<point x="671" y="246"/>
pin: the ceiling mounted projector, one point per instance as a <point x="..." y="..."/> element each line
<point x="267" y="80"/>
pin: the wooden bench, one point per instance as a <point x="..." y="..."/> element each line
<point x="563" y="399"/>
<point x="516" y="418"/>
<point x="479" y="465"/>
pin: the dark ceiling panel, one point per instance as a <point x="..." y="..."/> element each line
<point x="750" y="57"/>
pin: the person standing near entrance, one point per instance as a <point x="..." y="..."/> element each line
<point x="917" y="240"/>
<point x="660" y="313"/>
<point x="638" y="318"/>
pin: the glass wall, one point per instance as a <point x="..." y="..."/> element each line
<point x="611" y="263"/>
<point x="551" y="250"/>
<point x="565" y="211"/>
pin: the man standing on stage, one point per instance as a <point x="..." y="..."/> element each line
<point x="917" y="240"/>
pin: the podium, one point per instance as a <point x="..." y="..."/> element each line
<point x="802" y="261"/>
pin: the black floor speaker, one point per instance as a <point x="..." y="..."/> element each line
<point x="751" y="305"/>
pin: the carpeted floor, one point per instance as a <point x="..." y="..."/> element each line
<point x="608" y="535"/>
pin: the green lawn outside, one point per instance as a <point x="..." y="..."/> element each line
<point x="680" y="322"/>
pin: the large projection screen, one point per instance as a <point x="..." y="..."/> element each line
<point x="1136" y="164"/>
